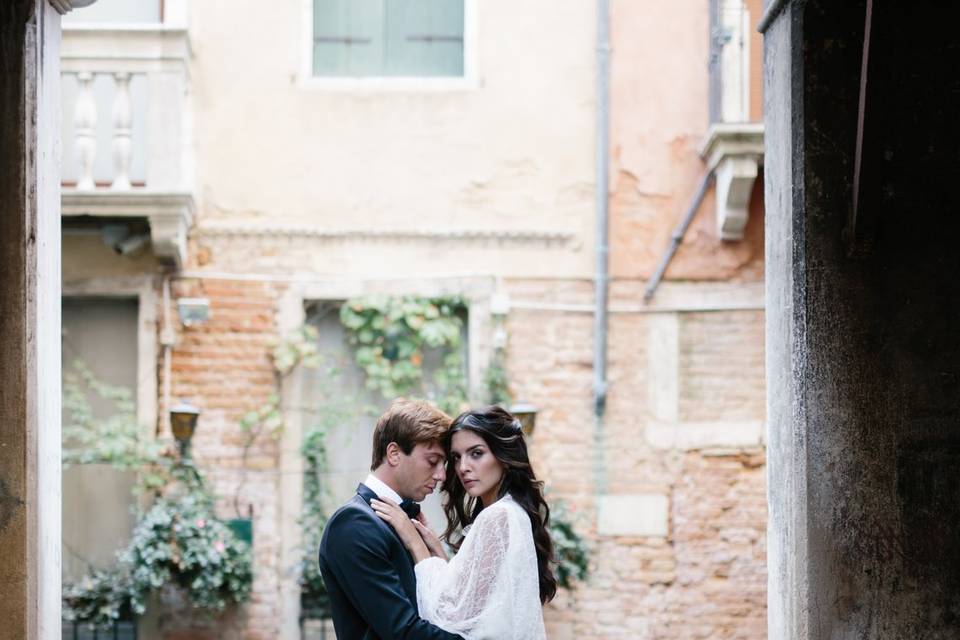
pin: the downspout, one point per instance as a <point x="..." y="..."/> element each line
<point x="167" y="340"/>
<point x="602" y="277"/>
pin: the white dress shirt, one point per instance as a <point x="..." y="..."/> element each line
<point x="381" y="488"/>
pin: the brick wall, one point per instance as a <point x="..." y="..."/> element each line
<point x="704" y="579"/>
<point x="223" y="367"/>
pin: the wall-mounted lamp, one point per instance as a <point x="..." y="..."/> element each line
<point x="183" y="422"/>
<point x="527" y="415"/>
<point x="193" y="311"/>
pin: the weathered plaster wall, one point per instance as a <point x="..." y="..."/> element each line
<point x="29" y="321"/>
<point x="872" y="402"/>
<point x="786" y="445"/>
<point x="659" y="120"/>
<point x="512" y="153"/>
<point x="14" y="569"/>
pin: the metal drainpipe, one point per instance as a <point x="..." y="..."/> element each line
<point x="167" y="340"/>
<point x="676" y="238"/>
<point x="602" y="240"/>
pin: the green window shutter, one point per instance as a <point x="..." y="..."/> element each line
<point x="424" y="38"/>
<point x="348" y="37"/>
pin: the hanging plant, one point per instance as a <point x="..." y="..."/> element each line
<point x="180" y="540"/>
<point x="177" y="540"/>
<point x="392" y="337"/>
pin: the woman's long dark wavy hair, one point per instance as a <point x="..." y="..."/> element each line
<point x="502" y="433"/>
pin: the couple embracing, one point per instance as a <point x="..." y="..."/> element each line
<point x="387" y="573"/>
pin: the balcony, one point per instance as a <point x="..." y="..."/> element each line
<point x="733" y="146"/>
<point x="126" y="129"/>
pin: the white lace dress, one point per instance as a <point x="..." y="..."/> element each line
<point x="490" y="590"/>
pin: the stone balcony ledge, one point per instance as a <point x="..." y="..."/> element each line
<point x="734" y="152"/>
<point x="170" y="215"/>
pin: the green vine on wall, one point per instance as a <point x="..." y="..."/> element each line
<point x="496" y="382"/>
<point x="313" y="517"/>
<point x="116" y="439"/>
<point x="570" y="549"/>
<point x="393" y="336"/>
<point x="297" y="348"/>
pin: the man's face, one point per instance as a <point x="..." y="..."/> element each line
<point x="419" y="473"/>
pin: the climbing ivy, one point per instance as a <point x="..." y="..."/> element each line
<point x="392" y="336"/>
<point x="116" y="439"/>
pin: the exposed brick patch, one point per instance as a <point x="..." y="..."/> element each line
<point x="707" y="579"/>
<point x="722" y="366"/>
<point x="223" y="367"/>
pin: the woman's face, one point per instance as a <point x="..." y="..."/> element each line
<point x="477" y="468"/>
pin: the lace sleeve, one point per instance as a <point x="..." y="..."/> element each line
<point x="456" y="595"/>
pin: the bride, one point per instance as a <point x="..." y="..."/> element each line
<point x="495" y="585"/>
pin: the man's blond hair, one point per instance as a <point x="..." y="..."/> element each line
<point x="408" y="423"/>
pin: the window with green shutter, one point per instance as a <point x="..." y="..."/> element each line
<point x="382" y="38"/>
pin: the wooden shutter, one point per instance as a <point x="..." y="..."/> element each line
<point x="424" y="38"/>
<point x="348" y="37"/>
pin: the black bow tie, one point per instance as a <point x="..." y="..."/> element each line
<point x="411" y="508"/>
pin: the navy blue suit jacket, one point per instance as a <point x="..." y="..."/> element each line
<point x="369" y="577"/>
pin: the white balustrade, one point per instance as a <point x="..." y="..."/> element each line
<point x="122" y="130"/>
<point x="125" y="109"/>
<point x="85" y="130"/>
<point x="85" y="123"/>
<point x="134" y="160"/>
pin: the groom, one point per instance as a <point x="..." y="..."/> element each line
<point x="368" y="573"/>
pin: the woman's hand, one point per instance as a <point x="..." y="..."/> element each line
<point x="429" y="537"/>
<point x="393" y="515"/>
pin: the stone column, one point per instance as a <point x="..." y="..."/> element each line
<point x="29" y="321"/>
<point x="863" y="306"/>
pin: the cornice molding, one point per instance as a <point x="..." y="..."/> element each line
<point x="519" y="236"/>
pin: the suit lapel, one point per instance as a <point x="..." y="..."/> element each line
<point x="367" y="494"/>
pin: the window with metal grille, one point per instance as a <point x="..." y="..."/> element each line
<point x="388" y="38"/>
